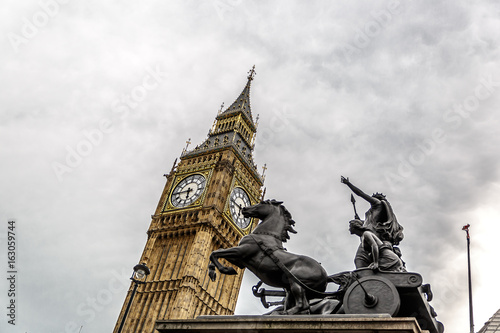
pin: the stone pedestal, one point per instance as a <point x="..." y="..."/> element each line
<point x="291" y="324"/>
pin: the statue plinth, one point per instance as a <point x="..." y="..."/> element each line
<point x="291" y="324"/>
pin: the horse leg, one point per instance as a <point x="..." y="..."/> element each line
<point x="299" y="296"/>
<point x="231" y="255"/>
<point x="289" y="301"/>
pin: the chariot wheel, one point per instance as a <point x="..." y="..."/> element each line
<point x="372" y="294"/>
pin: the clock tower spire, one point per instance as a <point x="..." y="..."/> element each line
<point x="234" y="128"/>
<point x="198" y="212"/>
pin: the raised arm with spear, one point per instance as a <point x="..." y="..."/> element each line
<point x="379" y="218"/>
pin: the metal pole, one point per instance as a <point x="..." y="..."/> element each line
<point x="128" y="306"/>
<point x="471" y="312"/>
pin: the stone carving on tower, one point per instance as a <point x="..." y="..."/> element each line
<point x="199" y="211"/>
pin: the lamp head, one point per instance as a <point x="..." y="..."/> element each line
<point x="140" y="272"/>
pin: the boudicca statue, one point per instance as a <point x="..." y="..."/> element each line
<point x="381" y="227"/>
<point x="380" y="283"/>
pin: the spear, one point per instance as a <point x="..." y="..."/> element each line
<point x="356" y="216"/>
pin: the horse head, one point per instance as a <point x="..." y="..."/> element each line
<point x="263" y="254"/>
<point x="262" y="209"/>
<point x="272" y="210"/>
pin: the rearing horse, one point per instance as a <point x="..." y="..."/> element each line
<point x="262" y="253"/>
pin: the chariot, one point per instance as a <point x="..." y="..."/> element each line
<point x="365" y="291"/>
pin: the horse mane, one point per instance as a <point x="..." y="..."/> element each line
<point x="289" y="223"/>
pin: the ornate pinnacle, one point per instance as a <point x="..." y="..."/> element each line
<point x="251" y="73"/>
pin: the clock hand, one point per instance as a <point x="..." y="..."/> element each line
<point x="239" y="206"/>
<point x="180" y="192"/>
<point x="188" y="190"/>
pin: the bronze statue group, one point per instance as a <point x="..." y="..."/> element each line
<point x="380" y="283"/>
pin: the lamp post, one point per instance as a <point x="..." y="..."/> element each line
<point x="141" y="271"/>
<point x="471" y="313"/>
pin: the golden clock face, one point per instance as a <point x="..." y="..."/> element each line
<point x="237" y="201"/>
<point x="188" y="190"/>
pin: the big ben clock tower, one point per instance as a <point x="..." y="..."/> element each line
<point x="199" y="211"/>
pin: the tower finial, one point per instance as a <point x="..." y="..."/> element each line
<point x="264" y="168"/>
<point x="251" y="73"/>
<point x="188" y="142"/>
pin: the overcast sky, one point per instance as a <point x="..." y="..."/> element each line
<point x="98" y="99"/>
